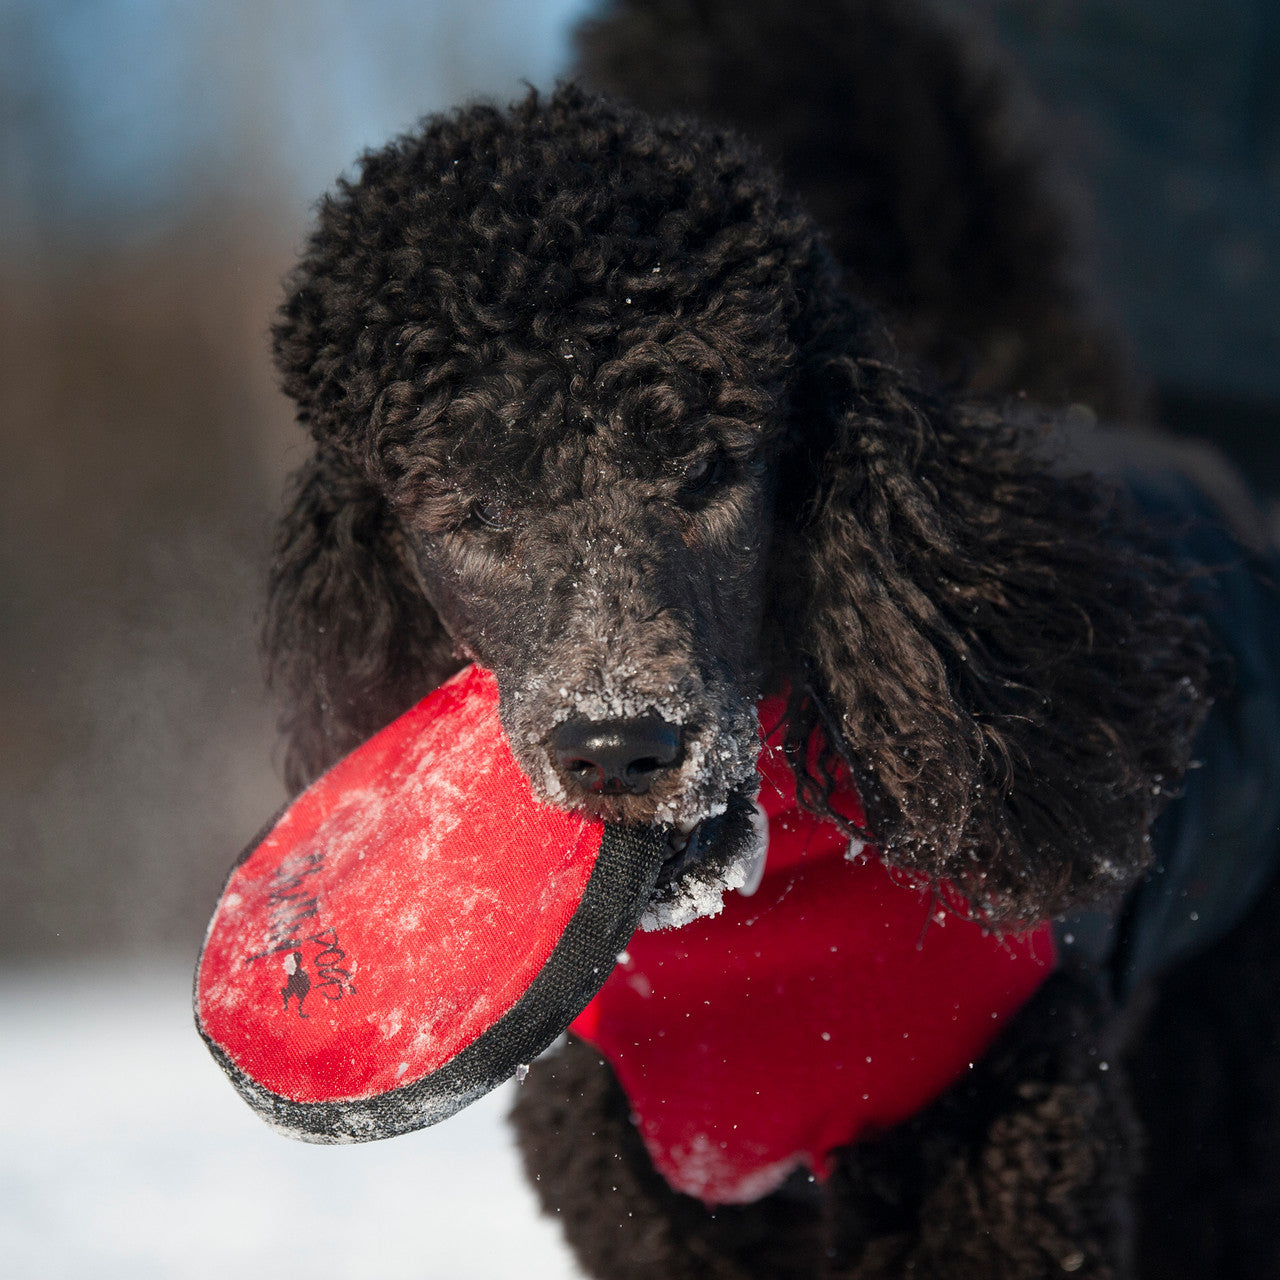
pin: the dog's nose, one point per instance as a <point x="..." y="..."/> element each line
<point x="616" y="756"/>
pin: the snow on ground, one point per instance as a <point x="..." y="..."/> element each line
<point x="124" y="1152"/>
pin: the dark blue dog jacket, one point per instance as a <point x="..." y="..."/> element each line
<point x="1218" y="843"/>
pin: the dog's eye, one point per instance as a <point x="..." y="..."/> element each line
<point x="705" y="474"/>
<point x="492" y="513"/>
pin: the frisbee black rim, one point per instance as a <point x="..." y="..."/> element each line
<point x="619" y="888"/>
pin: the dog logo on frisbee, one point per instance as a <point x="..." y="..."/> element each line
<point x="298" y="984"/>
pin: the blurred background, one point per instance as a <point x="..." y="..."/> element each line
<point x="158" y="159"/>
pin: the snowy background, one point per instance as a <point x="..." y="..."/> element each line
<point x="127" y="1155"/>
<point x="158" y="160"/>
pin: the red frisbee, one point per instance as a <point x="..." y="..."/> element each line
<point x="413" y="928"/>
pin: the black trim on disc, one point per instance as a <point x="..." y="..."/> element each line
<point x="618" y="890"/>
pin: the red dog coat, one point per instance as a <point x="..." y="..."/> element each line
<point x="832" y="1004"/>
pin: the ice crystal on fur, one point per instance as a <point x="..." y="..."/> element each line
<point x="738" y="846"/>
<point x="700" y="893"/>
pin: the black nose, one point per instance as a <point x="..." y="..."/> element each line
<point x="615" y="755"/>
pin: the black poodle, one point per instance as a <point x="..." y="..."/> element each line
<point x="592" y="406"/>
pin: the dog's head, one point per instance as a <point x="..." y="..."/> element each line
<point x="553" y="345"/>
<point x="590" y="407"/>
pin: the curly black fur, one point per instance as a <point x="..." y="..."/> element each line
<point x="904" y="144"/>
<point x="591" y="404"/>
<point x="1012" y="682"/>
<point x="1014" y="686"/>
<point x="351" y="640"/>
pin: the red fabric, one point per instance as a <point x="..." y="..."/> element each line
<point x="834" y="1003"/>
<point x="330" y="975"/>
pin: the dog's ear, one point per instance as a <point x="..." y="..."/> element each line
<point x="350" y="640"/>
<point x="1011" y="679"/>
